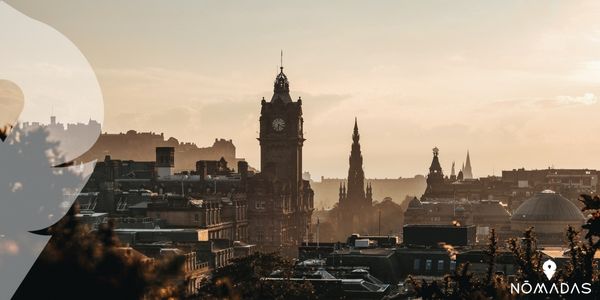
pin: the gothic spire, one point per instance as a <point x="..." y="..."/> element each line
<point x="356" y="175"/>
<point x="355" y="134"/>
<point x="468" y="172"/>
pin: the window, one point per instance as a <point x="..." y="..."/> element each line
<point x="259" y="236"/>
<point x="428" y="265"/>
<point x="196" y="217"/>
<point x="440" y="266"/>
<point x="416" y="264"/>
<point x="452" y="265"/>
<point x="260" y="204"/>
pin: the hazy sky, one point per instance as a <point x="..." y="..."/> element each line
<point x="515" y="82"/>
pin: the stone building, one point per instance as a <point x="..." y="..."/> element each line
<point x="460" y="201"/>
<point x="550" y="214"/>
<point x="355" y="202"/>
<point x="223" y="217"/>
<point x="484" y="214"/>
<point x="280" y="202"/>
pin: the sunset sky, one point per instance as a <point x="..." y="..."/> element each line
<point x="515" y="82"/>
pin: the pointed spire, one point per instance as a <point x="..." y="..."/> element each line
<point x="452" y="172"/>
<point x="435" y="163"/>
<point x="369" y="194"/>
<point x="468" y="172"/>
<point x="355" y="134"/>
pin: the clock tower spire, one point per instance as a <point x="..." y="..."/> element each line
<point x="281" y="137"/>
<point x="280" y="202"/>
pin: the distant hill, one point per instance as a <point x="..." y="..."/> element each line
<point x="140" y="146"/>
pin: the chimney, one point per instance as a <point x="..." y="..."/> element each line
<point x="243" y="170"/>
<point x="201" y="169"/>
<point x="165" y="161"/>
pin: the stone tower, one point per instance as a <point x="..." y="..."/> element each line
<point x="280" y="201"/>
<point x="281" y="135"/>
<point x="435" y="176"/>
<point x="355" y="202"/>
<point x="356" y="175"/>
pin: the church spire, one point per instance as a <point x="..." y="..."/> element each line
<point x="468" y="172"/>
<point x="356" y="175"/>
<point x="355" y="134"/>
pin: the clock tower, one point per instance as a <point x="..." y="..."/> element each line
<point x="280" y="202"/>
<point x="281" y="136"/>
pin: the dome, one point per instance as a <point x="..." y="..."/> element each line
<point x="281" y="88"/>
<point x="548" y="206"/>
<point x="414" y="203"/>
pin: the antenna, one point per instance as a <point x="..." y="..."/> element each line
<point x="281" y="60"/>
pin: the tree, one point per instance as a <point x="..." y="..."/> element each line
<point x="462" y="284"/>
<point x="581" y="267"/>
<point x="79" y="264"/>
<point x="242" y="280"/>
<point x="527" y="257"/>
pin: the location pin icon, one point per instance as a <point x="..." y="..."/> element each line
<point x="549" y="268"/>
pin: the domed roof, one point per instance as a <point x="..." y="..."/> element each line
<point x="548" y="206"/>
<point x="414" y="203"/>
<point x="281" y="89"/>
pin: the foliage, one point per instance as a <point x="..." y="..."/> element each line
<point x="580" y="268"/>
<point x="462" y="284"/>
<point x="527" y="257"/>
<point x="242" y="280"/>
<point x="79" y="264"/>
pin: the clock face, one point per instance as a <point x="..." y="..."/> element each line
<point x="278" y="124"/>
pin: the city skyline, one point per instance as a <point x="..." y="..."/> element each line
<point x="513" y="83"/>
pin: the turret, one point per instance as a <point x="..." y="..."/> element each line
<point x="369" y="196"/>
<point x="453" y="173"/>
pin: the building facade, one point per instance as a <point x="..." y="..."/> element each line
<point x="280" y="202"/>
